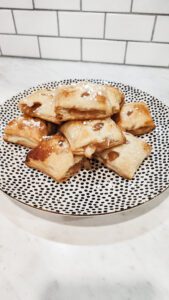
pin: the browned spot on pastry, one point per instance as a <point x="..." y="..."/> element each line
<point x="28" y="110"/>
<point x="142" y="107"/>
<point x="66" y="93"/>
<point x="85" y="94"/>
<point x="147" y="147"/>
<point x="59" y="117"/>
<point x="101" y="146"/>
<point x="35" y="106"/>
<point x="21" y="125"/>
<point x="86" y="164"/>
<point x="101" y="99"/>
<point x="142" y="130"/>
<point x="112" y="155"/>
<point x="92" y="112"/>
<point x="129" y="112"/>
<point x="12" y="122"/>
<point x="39" y="153"/>
<point x="98" y="126"/>
<point x="74" y="169"/>
<point x="59" y="137"/>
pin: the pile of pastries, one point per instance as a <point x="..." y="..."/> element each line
<point x="70" y="124"/>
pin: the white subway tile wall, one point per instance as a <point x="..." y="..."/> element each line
<point x="6" y="22"/>
<point x="60" y="48"/>
<point x="36" y="22"/>
<point x="149" y="54"/>
<point x="107" y="5"/>
<point x="112" y="31"/>
<point x="16" y="3"/>
<point x="103" y="51"/>
<point x="129" y="27"/>
<point x="151" y="6"/>
<point x="19" y="45"/>
<point x="58" y="4"/>
<point x="161" y="33"/>
<point x="81" y="24"/>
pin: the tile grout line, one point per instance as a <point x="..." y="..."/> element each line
<point x="80" y="5"/>
<point x="104" y="29"/>
<point x="154" y="25"/>
<point x="1" y="51"/>
<point x="33" y="3"/>
<point x="40" y="54"/>
<point x="13" y="17"/>
<point x="125" y="53"/>
<point x="88" y="11"/>
<point x="131" y="6"/>
<point x="87" y="38"/>
<point x="57" y="16"/>
<point x="81" y="49"/>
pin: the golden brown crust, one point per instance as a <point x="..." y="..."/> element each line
<point x="142" y="130"/>
<point x="83" y="163"/>
<point x="126" y="159"/>
<point x="54" y="157"/>
<point x="88" y="137"/>
<point x="112" y="155"/>
<point x="29" y="111"/>
<point x="26" y="131"/>
<point x="135" y="118"/>
<point x="80" y="101"/>
<point x="55" y="143"/>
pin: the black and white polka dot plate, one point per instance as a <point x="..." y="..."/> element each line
<point x="94" y="192"/>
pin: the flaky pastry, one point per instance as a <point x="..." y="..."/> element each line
<point x="54" y="157"/>
<point x="26" y="131"/>
<point x="126" y="159"/>
<point x="135" y="118"/>
<point x="87" y="137"/>
<point x="81" y="101"/>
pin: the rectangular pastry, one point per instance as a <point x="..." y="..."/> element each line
<point x="81" y="101"/>
<point x="135" y="118"/>
<point x="26" y="131"/>
<point x="54" y="157"/>
<point x="40" y="104"/>
<point x="87" y="137"/>
<point x="126" y="159"/>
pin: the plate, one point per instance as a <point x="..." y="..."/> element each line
<point x="94" y="192"/>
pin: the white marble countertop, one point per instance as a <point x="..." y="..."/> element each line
<point x="120" y="257"/>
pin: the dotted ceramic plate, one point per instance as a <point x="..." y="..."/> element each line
<point x="94" y="192"/>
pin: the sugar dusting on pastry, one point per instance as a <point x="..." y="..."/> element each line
<point x="31" y="122"/>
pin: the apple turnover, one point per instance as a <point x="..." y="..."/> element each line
<point x="88" y="137"/>
<point x="135" y="118"/>
<point x="126" y="159"/>
<point x="26" y="131"/>
<point x="54" y="157"/>
<point x="81" y="101"/>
